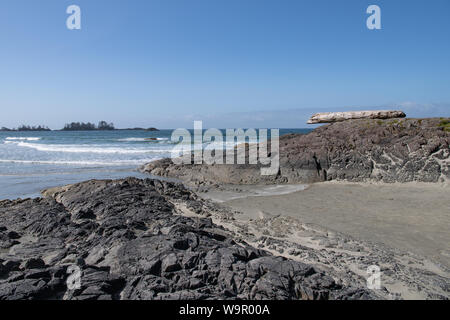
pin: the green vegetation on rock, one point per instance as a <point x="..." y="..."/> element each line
<point x="445" y="124"/>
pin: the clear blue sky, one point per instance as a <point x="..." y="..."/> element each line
<point x="230" y="63"/>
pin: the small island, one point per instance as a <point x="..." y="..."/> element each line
<point x="27" y="128"/>
<point x="81" y="126"/>
<point x="140" y="129"/>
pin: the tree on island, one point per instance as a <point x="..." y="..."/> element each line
<point x="27" y="128"/>
<point x="81" y="126"/>
<point x="33" y="128"/>
<point x="103" y="125"/>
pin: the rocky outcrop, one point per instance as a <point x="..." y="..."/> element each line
<point x="392" y="150"/>
<point x="130" y="242"/>
<point x="329" y="117"/>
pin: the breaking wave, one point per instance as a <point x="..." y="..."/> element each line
<point x="23" y="138"/>
<point x="83" y="162"/>
<point x="142" y="139"/>
<point x="86" y="148"/>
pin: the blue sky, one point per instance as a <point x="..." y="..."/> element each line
<point x="234" y="63"/>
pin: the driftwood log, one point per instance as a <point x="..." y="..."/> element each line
<point x="329" y="117"/>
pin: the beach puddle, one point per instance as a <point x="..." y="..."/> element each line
<point x="233" y="192"/>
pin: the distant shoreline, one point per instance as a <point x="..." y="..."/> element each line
<point x="75" y="126"/>
<point x="65" y="130"/>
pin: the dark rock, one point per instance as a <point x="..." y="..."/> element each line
<point x="170" y="263"/>
<point x="84" y="214"/>
<point x="13" y="235"/>
<point x="392" y="150"/>
<point x="33" y="264"/>
<point x="11" y="265"/>
<point x="139" y="248"/>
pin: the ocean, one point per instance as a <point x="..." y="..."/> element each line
<point x="32" y="161"/>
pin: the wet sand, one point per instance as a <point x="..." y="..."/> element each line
<point x="413" y="217"/>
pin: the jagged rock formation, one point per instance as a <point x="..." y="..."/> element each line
<point x="329" y="117"/>
<point x="130" y="241"/>
<point x="392" y="150"/>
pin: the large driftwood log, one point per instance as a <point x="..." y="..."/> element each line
<point x="328" y="117"/>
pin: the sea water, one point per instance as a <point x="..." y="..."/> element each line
<point x="32" y="161"/>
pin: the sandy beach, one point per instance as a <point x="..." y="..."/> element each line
<point x="412" y="217"/>
<point x="344" y="228"/>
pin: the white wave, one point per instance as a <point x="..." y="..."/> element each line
<point x="132" y="139"/>
<point x="142" y="139"/>
<point x="87" y="149"/>
<point x="23" y="138"/>
<point x="82" y="162"/>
